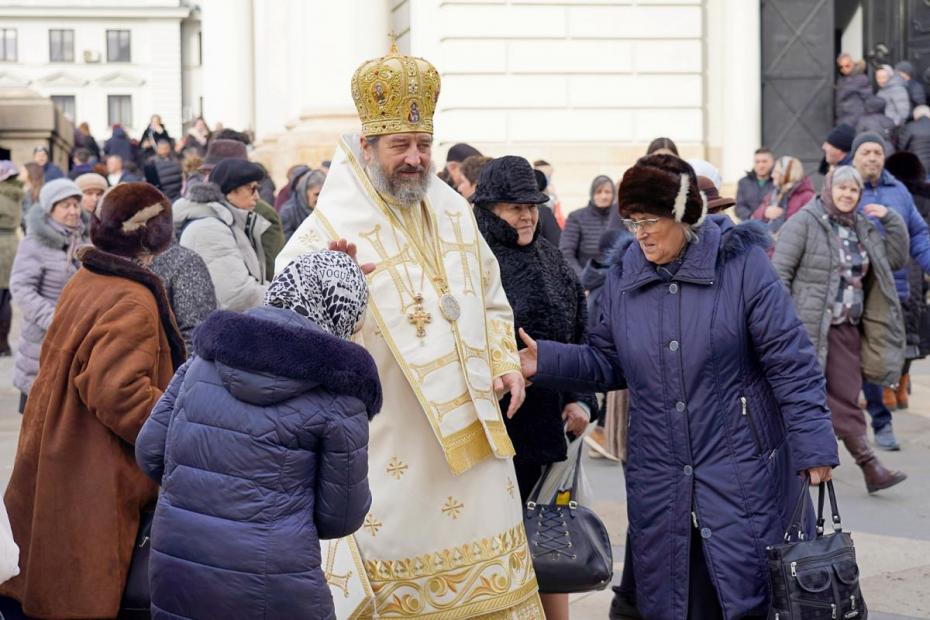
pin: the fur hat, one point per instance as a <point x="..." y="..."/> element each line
<point x="220" y="149"/>
<point x="662" y="185"/>
<point x="906" y="167"/>
<point x="715" y="203"/>
<point x="508" y="179"/>
<point x="132" y="219"/>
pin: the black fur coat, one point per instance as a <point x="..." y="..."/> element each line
<point x="549" y="304"/>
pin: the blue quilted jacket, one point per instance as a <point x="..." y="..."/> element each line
<point x="260" y="445"/>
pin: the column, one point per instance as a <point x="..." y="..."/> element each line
<point x="228" y="63"/>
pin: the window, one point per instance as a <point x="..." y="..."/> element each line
<point x="8" y="44"/>
<point x="118" y="46"/>
<point x="119" y="110"/>
<point x="65" y="103"/>
<point x="61" y="46"/>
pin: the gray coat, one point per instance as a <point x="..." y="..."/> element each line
<point x="805" y="261"/>
<point x="189" y="287"/>
<point x="898" y="102"/>
<point x="40" y="271"/>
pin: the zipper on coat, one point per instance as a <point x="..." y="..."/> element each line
<point x="744" y="407"/>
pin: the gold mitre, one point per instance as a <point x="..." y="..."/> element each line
<point x="396" y="94"/>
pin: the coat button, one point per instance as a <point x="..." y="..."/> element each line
<point x="706" y="533"/>
<point x="672" y="288"/>
<point x="679" y="406"/>
<point x="673" y="345"/>
<point x="688" y="470"/>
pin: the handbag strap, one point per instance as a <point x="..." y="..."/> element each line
<point x="834" y="509"/>
<point x="533" y="497"/>
<point x="571" y="492"/>
<point x="798" y="515"/>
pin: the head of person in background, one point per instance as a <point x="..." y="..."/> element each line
<point x="471" y="170"/>
<point x="905" y="69"/>
<point x="40" y="155"/>
<point x="507" y="188"/>
<point x="92" y="186"/>
<point x="603" y="192"/>
<point x="310" y="186"/>
<point x="763" y="160"/>
<point x="788" y="172"/>
<point x="238" y="181"/>
<point x="704" y="168"/>
<point x="325" y="165"/>
<point x="662" y="146"/>
<point x="454" y="158"/>
<point x="837" y="146"/>
<point x="163" y="149"/>
<point x="84" y="128"/>
<point x="845" y="64"/>
<point x="883" y="75"/>
<point x="711" y="195"/>
<point x="155" y="122"/>
<point x="200" y="126"/>
<point x="868" y="151"/>
<point x="921" y="111"/>
<point x="61" y="201"/>
<point x="221" y="149"/>
<point x="81" y="157"/>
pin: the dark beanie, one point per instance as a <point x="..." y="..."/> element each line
<point x="232" y="173"/>
<point x="905" y="67"/>
<point x="866" y="138"/>
<point x="842" y="137"/>
<point x="460" y="152"/>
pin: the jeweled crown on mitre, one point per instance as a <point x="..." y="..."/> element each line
<point x="396" y="94"/>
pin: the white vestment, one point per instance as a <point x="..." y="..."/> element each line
<point x="444" y="537"/>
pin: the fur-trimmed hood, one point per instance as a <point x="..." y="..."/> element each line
<point x="98" y="261"/>
<point x="38" y="227"/>
<point x="269" y="355"/>
<point x="202" y="200"/>
<point x="719" y="241"/>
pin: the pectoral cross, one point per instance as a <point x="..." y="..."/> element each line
<point x="419" y="317"/>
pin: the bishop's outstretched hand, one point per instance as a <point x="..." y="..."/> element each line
<point x="345" y="247"/>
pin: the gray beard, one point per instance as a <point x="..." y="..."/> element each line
<point x="405" y="193"/>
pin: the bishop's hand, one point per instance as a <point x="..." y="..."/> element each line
<point x="528" y="356"/>
<point x="511" y="382"/>
<point x="345" y="247"/>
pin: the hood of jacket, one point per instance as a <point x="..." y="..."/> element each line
<point x="119" y="132"/>
<point x="269" y="355"/>
<point x="203" y="200"/>
<point x="875" y="105"/>
<point x="12" y="189"/>
<point x="38" y="226"/>
<point x="719" y="241"/>
<point x="895" y="81"/>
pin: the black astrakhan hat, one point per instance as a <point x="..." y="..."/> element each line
<point x="508" y="179"/>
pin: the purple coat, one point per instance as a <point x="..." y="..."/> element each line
<point x="261" y="448"/>
<point x="727" y="405"/>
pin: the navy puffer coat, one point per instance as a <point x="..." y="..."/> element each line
<point x="260" y="446"/>
<point x="727" y="405"/>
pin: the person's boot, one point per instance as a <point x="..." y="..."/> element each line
<point x="623" y="609"/>
<point x="877" y="476"/>
<point x="5" y="350"/>
<point x="903" y="391"/>
<point x="890" y="399"/>
<point x="885" y="439"/>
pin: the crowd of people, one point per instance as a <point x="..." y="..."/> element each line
<point x="379" y="352"/>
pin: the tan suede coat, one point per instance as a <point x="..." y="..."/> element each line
<point x="76" y="493"/>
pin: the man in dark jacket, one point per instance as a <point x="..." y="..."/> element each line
<point x="80" y="163"/>
<point x="164" y="172"/>
<point x="915" y="90"/>
<point x="852" y="90"/>
<point x="756" y="184"/>
<point x="915" y="136"/>
<point x="40" y="155"/>
<point x="836" y="148"/>
<point x="869" y="151"/>
<point x="875" y="120"/>
<point x="119" y="144"/>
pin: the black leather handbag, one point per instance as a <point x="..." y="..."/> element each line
<point x="568" y="543"/>
<point x="815" y="579"/>
<point x="137" y="598"/>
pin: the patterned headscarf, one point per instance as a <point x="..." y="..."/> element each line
<point x="326" y="287"/>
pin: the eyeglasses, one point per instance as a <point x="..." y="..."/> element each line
<point x="647" y="225"/>
<point x="253" y="189"/>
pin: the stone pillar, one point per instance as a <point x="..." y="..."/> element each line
<point x="733" y="104"/>
<point x="331" y="41"/>
<point x="228" y="63"/>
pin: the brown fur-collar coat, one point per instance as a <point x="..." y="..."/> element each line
<point x="76" y="493"/>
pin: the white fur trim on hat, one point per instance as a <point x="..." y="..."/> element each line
<point x="678" y="210"/>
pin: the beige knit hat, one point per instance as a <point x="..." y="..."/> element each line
<point x="91" y="180"/>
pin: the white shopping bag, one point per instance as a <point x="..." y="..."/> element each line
<point x="558" y="483"/>
<point x="9" y="551"/>
<point x="345" y="574"/>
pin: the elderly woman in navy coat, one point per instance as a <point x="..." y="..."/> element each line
<point x="728" y="406"/>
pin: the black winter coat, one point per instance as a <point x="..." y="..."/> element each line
<point x="851" y="94"/>
<point x="875" y="120"/>
<point x="915" y="137"/>
<point x="749" y="194"/>
<point x="548" y="302"/>
<point x="165" y="174"/>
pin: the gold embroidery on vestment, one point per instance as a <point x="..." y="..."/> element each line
<point x="340" y="581"/>
<point x="463" y="249"/>
<point x="396" y="468"/>
<point x="372" y="525"/>
<point x="453" y="508"/>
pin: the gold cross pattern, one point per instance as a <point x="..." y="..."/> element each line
<point x="420" y="318"/>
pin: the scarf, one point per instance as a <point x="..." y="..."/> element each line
<point x="326" y="287"/>
<point x="73" y="237"/>
<point x="826" y="198"/>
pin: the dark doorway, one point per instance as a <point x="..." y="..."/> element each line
<point x="797" y="77"/>
<point x="898" y="30"/>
